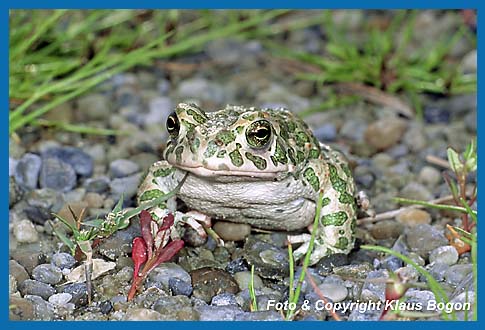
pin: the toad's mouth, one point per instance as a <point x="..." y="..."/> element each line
<point x="205" y="172"/>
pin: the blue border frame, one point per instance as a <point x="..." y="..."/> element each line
<point x="238" y="4"/>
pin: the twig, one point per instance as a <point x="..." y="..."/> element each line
<point x="322" y="297"/>
<point x="437" y="161"/>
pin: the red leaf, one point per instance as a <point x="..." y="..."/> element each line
<point x="146" y="230"/>
<point x="138" y="254"/>
<point x="167" y="253"/>
<point x="167" y="222"/>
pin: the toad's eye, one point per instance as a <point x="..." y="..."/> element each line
<point x="173" y="125"/>
<point x="259" y="134"/>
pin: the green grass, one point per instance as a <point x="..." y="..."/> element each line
<point x="58" y="55"/>
<point x="384" y="63"/>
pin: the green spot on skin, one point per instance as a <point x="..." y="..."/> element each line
<point x="334" y="219"/>
<point x="239" y="129"/>
<point x="291" y="126"/>
<point x="162" y="172"/>
<point x="342" y="243"/>
<point x="189" y="125"/>
<point x="259" y="162"/>
<point x="249" y="117"/>
<point x="312" y="179"/>
<point x="194" y="146"/>
<point x="226" y="137"/>
<point x="300" y="157"/>
<point x="337" y="182"/>
<point x="221" y="154"/>
<point x="211" y="149"/>
<point x="236" y="157"/>
<point x="283" y="129"/>
<point x="314" y="153"/>
<point x="178" y="154"/>
<point x="151" y="194"/>
<point x="325" y="201"/>
<point x="279" y="154"/>
<point x="346" y="198"/>
<point x="198" y="117"/>
<point x="301" y="138"/>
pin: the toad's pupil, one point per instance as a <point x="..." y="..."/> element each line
<point x="261" y="133"/>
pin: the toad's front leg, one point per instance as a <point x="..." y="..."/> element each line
<point x="161" y="179"/>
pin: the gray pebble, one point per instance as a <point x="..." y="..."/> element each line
<point x="202" y="90"/>
<point x="456" y="273"/>
<point x="27" y="171"/>
<point x="12" y="284"/>
<point x="326" y="132"/>
<point x="429" y="176"/>
<point x="444" y="254"/>
<point x="334" y="291"/>
<point x="179" y="287"/>
<point x="159" y="109"/>
<point x="218" y="313"/>
<point x="98" y="184"/>
<point x="141" y="314"/>
<point x="42" y="203"/>
<point x="415" y="190"/>
<point x="424" y="238"/>
<point x="260" y="315"/>
<point x="166" y="271"/>
<point x="47" y="273"/>
<point x="12" y="164"/>
<point x="127" y="186"/>
<point x="94" y="107"/>
<point x="438" y="271"/>
<point x="25" y="232"/>
<point x="121" y="168"/>
<point x="43" y="310"/>
<point x="224" y="299"/>
<point x="18" y="271"/>
<point x="63" y="260"/>
<point x="81" y="162"/>
<point x="78" y="291"/>
<point x="20" y="309"/>
<point x="57" y="175"/>
<point x="33" y="287"/>
<point x="60" y="299"/>
<point x="244" y="278"/>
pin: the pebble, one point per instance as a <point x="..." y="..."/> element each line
<point x="98" y="184"/>
<point x="47" y="273"/>
<point x="18" y="271"/>
<point x="415" y="190"/>
<point x="57" y="175"/>
<point x="20" y="309"/>
<point x="142" y="314"/>
<point x="328" y="263"/>
<point x="27" y="171"/>
<point x="232" y="52"/>
<point x="436" y="115"/>
<point x="229" y="231"/>
<point x="471" y="122"/>
<point x="415" y="138"/>
<point x="36" y="288"/>
<point x="106" y="307"/>
<point x="326" y="132"/>
<point x="12" y="284"/>
<point x="456" y="273"/>
<point x="218" y="313"/>
<point x="469" y="62"/>
<point x="277" y="95"/>
<point x="78" y="291"/>
<point x="179" y="287"/>
<point x="42" y="203"/>
<point x="413" y="217"/>
<point x="127" y="186"/>
<point x="237" y="265"/>
<point x="121" y="168"/>
<point x="260" y="315"/>
<point x="60" y="299"/>
<point x="27" y="258"/>
<point x="43" y="310"/>
<point x="202" y="90"/>
<point x="386" y="229"/>
<point x="429" y="176"/>
<point x="438" y="270"/>
<point x="224" y="299"/>
<point x="81" y="162"/>
<point x="208" y="282"/>
<point x="76" y="207"/>
<point x="269" y="260"/>
<point x="244" y="278"/>
<point x="444" y="254"/>
<point x="25" y="232"/>
<point x="159" y="108"/>
<point x="12" y="163"/>
<point x="94" y="200"/>
<point x="334" y="291"/>
<point x="166" y="271"/>
<point x="385" y="132"/>
<point x="94" y="107"/>
<point x="424" y="238"/>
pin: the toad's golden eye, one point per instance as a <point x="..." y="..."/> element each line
<point x="173" y="125"/>
<point x="259" y="134"/>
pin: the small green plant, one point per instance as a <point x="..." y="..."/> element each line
<point x="252" y="292"/>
